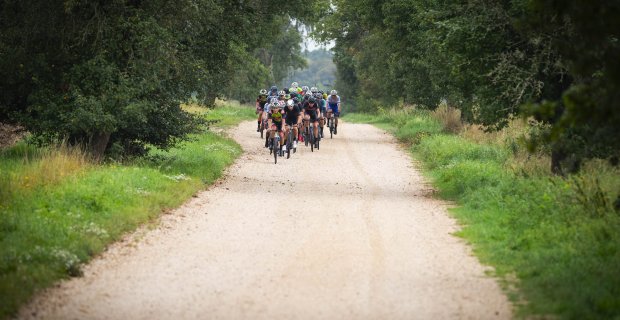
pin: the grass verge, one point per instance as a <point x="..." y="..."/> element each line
<point x="57" y="210"/>
<point x="555" y="239"/>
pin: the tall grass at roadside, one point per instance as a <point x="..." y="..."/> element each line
<point x="558" y="236"/>
<point x="58" y="210"/>
<point x="449" y="117"/>
<point x="25" y="167"/>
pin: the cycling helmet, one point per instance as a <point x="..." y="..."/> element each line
<point x="287" y="96"/>
<point x="292" y="90"/>
<point x="325" y="96"/>
<point x="294" y="84"/>
<point x="295" y="99"/>
<point x="312" y="100"/>
<point x="305" y="89"/>
<point x="274" y="100"/>
<point x="281" y="93"/>
<point x="318" y="96"/>
<point x="334" y="93"/>
<point x="308" y="95"/>
<point x="263" y="91"/>
<point x="274" y="89"/>
<point x="314" y="89"/>
<point x="281" y="103"/>
<point x="290" y="103"/>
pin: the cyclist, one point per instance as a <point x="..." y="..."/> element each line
<point x="281" y="94"/>
<point x="333" y="102"/>
<point x="312" y="114"/>
<point x="292" y="119"/>
<point x="323" y="108"/>
<point x="275" y="122"/>
<point x="260" y="105"/>
<point x="273" y="93"/>
<point x="266" y="115"/>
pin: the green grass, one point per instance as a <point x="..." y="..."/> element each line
<point x="559" y="237"/>
<point x="49" y="227"/>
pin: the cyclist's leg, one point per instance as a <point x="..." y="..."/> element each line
<point x="337" y="115"/>
<point x="315" y="120"/>
<point x="281" y="133"/>
<point x="269" y="131"/>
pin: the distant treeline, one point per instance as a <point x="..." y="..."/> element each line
<point x="320" y="72"/>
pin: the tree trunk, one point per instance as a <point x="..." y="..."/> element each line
<point x="99" y="143"/>
<point x="557" y="155"/>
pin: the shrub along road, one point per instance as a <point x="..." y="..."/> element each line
<point x="360" y="237"/>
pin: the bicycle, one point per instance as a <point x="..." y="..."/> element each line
<point x="314" y="142"/>
<point x="275" y="147"/>
<point x="263" y="126"/>
<point x="289" y="142"/>
<point x="330" y="124"/>
<point x="306" y="132"/>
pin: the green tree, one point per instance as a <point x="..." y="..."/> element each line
<point x="113" y="73"/>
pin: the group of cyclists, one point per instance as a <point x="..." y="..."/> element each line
<point x="301" y="109"/>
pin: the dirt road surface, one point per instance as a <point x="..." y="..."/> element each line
<point x="359" y="238"/>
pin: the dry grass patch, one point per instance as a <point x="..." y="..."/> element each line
<point x="449" y="117"/>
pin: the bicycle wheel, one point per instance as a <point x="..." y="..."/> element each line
<point x="289" y="143"/>
<point x="276" y="150"/>
<point x="312" y="139"/>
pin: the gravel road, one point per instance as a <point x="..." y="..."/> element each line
<point x="346" y="232"/>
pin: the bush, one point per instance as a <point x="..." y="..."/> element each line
<point x="449" y="117"/>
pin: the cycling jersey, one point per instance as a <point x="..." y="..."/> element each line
<point x="333" y="102"/>
<point x="322" y="105"/>
<point x="261" y="101"/>
<point x="276" y="119"/>
<point x="292" y="115"/>
<point x="311" y="111"/>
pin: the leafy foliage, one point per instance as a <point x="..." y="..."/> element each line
<point x="113" y="73"/>
<point x="488" y="59"/>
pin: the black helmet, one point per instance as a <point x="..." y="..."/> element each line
<point x="274" y="89"/>
<point x="312" y="100"/>
<point x="295" y="99"/>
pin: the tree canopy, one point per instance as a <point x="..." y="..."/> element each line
<point x="494" y="60"/>
<point x="113" y="73"/>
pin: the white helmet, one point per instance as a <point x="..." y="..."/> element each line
<point x="281" y="103"/>
<point x="334" y="93"/>
<point x="281" y="93"/>
<point x="274" y="100"/>
<point x="263" y="91"/>
<point x="290" y="103"/>
<point x="314" y="89"/>
<point x="294" y="84"/>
